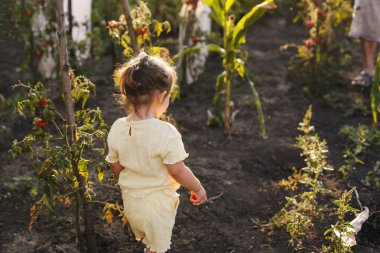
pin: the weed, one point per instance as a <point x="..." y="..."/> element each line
<point x="334" y="235"/>
<point x="300" y="211"/>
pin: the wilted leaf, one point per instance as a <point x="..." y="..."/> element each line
<point x="67" y="202"/>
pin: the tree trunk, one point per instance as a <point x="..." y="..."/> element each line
<point x="65" y="72"/>
<point x="131" y="31"/>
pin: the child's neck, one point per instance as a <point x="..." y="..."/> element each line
<point x="141" y="114"/>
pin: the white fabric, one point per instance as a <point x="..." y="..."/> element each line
<point x="195" y="61"/>
<point x="81" y="12"/>
<point x="366" y="20"/>
<point x="143" y="148"/>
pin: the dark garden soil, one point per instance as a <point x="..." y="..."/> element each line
<point x="244" y="168"/>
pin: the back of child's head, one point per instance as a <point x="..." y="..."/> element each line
<point x="142" y="76"/>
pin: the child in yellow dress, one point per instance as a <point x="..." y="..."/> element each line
<point x="146" y="154"/>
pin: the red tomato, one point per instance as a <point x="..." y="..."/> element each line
<point x="309" y="43"/>
<point x="44" y="102"/>
<point x="310" y="24"/>
<point x="193" y="196"/>
<point x="321" y="13"/>
<point x="142" y="31"/>
<point x="40" y="123"/>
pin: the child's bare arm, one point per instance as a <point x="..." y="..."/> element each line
<point x="116" y="168"/>
<point x="186" y="178"/>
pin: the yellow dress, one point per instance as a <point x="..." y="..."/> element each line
<point x="148" y="191"/>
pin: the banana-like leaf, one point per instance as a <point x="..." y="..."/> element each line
<point x="228" y="5"/>
<point x="375" y="92"/>
<point x="248" y="19"/>
<point x="218" y="12"/>
<point x="216" y="49"/>
<point x="259" y="107"/>
<point x="218" y="90"/>
<point x="211" y="48"/>
<point x="185" y="52"/>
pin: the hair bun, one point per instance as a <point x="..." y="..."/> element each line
<point x="142" y="56"/>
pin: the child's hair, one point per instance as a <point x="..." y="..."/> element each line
<point x="140" y="77"/>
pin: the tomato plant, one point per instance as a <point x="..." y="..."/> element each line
<point x="146" y="29"/>
<point x="318" y="53"/>
<point x="52" y="157"/>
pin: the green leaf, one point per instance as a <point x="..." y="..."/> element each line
<point x="208" y="2"/>
<point x="185" y="52"/>
<point x="158" y="29"/>
<point x="228" y="5"/>
<point x="217" y="98"/>
<point x="375" y="92"/>
<point x="239" y="66"/>
<point x="86" y="127"/>
<point x="248" y="19"/>
<point x="216" y="49"/>
<point x="259" y="107"/>
<point x="166" y="25"/>
<point x="83" y="168"/>
<point x="100" y="173"/>
<point x="218" y="12"/>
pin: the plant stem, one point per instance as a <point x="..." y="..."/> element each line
<point x="60" y="132"/>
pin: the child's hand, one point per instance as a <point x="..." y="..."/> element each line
<point x="199" y="197"/>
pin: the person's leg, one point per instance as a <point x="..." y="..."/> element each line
<point x="365" y="78"/>
<point x="369" y="49"/>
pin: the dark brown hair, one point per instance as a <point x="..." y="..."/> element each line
<point x="139" y="78"/>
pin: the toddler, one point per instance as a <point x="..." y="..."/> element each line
<point x="146" y="154"/>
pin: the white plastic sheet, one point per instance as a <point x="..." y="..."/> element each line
<point x="348" y="238"/>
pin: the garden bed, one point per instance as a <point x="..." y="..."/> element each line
<point x="244" y="168"/>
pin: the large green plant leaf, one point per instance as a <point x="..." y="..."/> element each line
<point x="185" y="52"/>
<point x="228" y="5"/>
<point x="218" y="12"/>
<point x="216" y="49"/>
<point x="248" y="19"/>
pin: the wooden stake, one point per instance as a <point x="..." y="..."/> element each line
<point x="131" y="31"/>
<point x="72" y="130"/>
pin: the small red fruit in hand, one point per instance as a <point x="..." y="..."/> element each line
<point x="40" y="123"/>
<point x="193" y="196"/>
